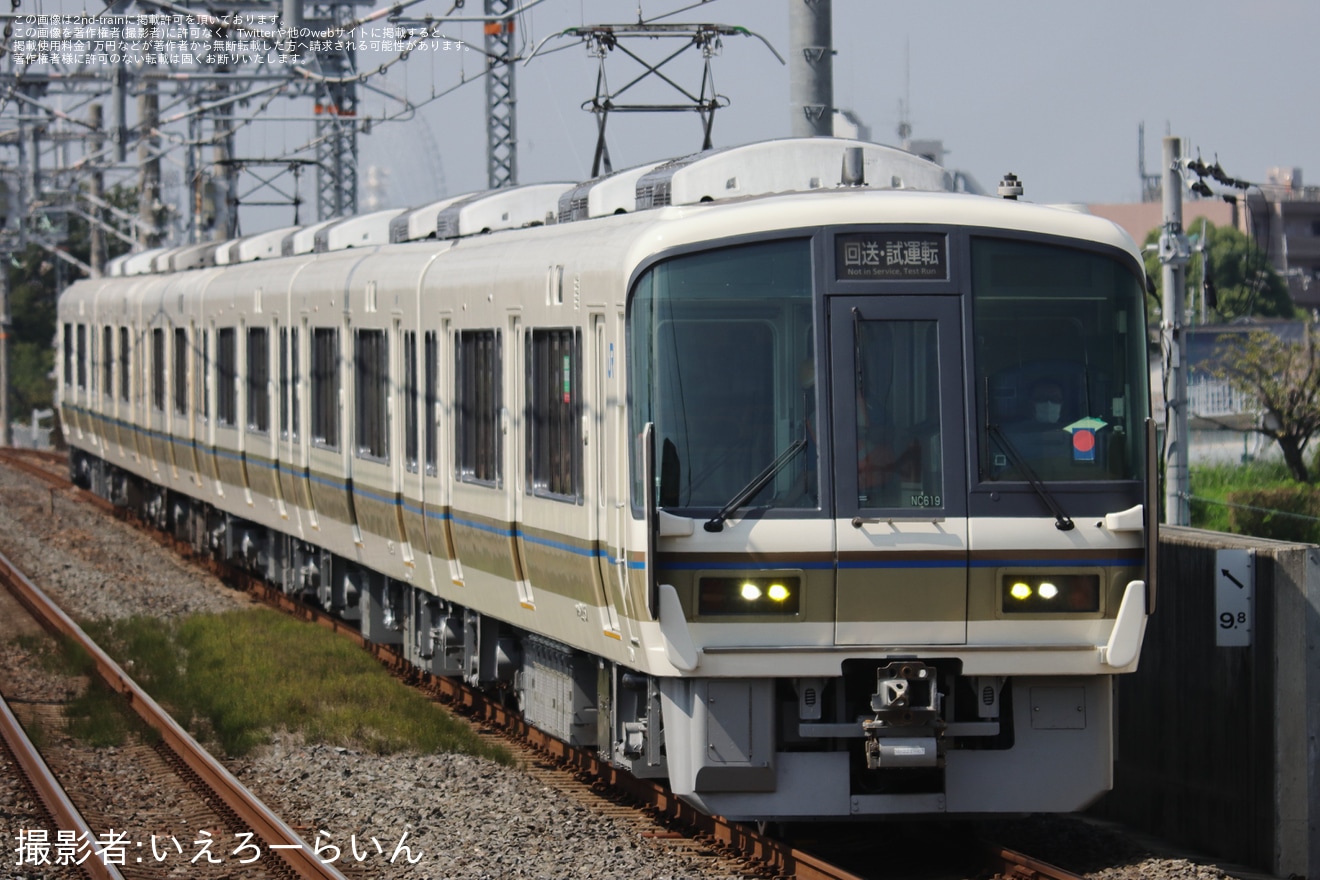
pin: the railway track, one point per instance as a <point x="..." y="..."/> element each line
<point x="1012" y="865"/>
<point x="56" y="804"/>
<point x="732" y="848"/>
<point x="278" y="849"/>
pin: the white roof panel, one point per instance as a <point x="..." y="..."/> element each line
<point x="142" y="262"/>
<point x="419" y="223"/>
<point x="612" y="194"/>
<point x="258" y="246"/>
<point x="362" y="230"/>
<point x="511" y="208"/>
<point x="786" y="165"/>
<point x="303" y="239"/>
<point x="194" y="256"/>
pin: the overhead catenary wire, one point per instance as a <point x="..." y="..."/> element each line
<point x="1201" y="499"/>
<point x="196" y="89"/>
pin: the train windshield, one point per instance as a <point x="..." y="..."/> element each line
<point x="1060" y="363"/>
<point x="721" y="346"/>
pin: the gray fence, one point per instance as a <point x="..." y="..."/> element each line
<point x="1218" y="746"/>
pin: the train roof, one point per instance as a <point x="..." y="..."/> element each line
<point x="141" y="263"/>
<point x="416" y="224"/>
<point x="865" y="206"/>
<point x="303" y="239"/>
<point x="748" y="173"/>
<point x="788" y="165"/>
<point x="261" y="246"/>
<point x="601" y="196"/>
<point x="362" y="230"/>
<point x="193" y="256"/>
<point x="512" y="208"/>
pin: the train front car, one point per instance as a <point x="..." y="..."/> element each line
<point x="894" y="476"/>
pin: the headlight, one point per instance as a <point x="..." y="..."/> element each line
<point x="1050" y="593"/>
<point x="760" y="594"/>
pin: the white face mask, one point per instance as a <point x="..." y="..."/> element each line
<point x="1048" y="411"/>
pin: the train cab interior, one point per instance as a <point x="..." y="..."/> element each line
<point x="1057" y="346"/>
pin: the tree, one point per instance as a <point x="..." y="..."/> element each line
<point x="1245" y="283"/>
<point x="36" y="278"/>
<point x="1284" y="380"/>
<point x="32" y="340"/>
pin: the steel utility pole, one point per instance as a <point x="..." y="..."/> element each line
<point x="1173" y="258"/>
<point x="811" y="68"/>
<point x="150" y="207"/>
<point x="336" y="116"/>
<point x="96" y="186"/>
<point x="501" y="97"/>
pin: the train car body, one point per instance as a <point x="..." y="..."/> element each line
<point x="828" y="503"/>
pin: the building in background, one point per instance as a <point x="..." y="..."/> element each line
<point x="1139" y="218"/>
<point x="1283" y="217"/>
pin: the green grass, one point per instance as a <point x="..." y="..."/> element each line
<point x="237" y="677"/>
<point x="61" y="657"/>
<point x="1212" y="484"/>
<point x="1260" y="499"/>
<point x="37" y="734"/>
<point x="100" y="718"/>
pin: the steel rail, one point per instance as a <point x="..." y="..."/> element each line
<point x="779" y="857"/>
<point x="22" y="462"/>
<point x="1017" y="866"/>
<point x="50" y="792"/>
<point x="293" y="850"/>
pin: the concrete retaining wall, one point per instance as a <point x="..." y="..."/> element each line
<point x="1218" y="746"/>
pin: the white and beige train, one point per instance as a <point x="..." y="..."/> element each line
<point x="781" y="471"/>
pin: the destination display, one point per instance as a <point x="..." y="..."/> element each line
<point x="890" y="256"/>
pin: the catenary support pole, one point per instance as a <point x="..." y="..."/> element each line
<point x="1173" y="259"/>
<point x="811" y="68"/>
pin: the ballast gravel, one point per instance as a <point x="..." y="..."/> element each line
<point x="414" y="816"/>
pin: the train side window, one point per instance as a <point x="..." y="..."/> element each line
<point x="107" y="360"/>
<point x="158" y="369"/>
<point x="226" y="364"/>
<point x="432" y="357"/>
<point x="325" y="387"/>
<point x="204" y="374"/>
<point x="477" y="406"/>
<point x="284" y="382"/>
<point x="411" y="400"/>
<point x="180" y="371"/>
<point x="258" y="380"/>
<point x="82" y="356"/>
<point x="68" y="355"/>
<point x="124" y="367"/>
<point x="372" y="377"/>
<point x="554" y="453"/>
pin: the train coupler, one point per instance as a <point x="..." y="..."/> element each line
<point x="906" y="727"/>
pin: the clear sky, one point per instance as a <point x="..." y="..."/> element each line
<point x="1053" y="91"/>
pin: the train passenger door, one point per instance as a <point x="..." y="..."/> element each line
<point x="514" y="427"/>
<point x="604" y="475"/>
<point x="897" y="385"/>
<point x="300" y="345"/>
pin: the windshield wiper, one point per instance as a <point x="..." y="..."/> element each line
<point x="716" y="522"/>
<point x="1062" y="521"/>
